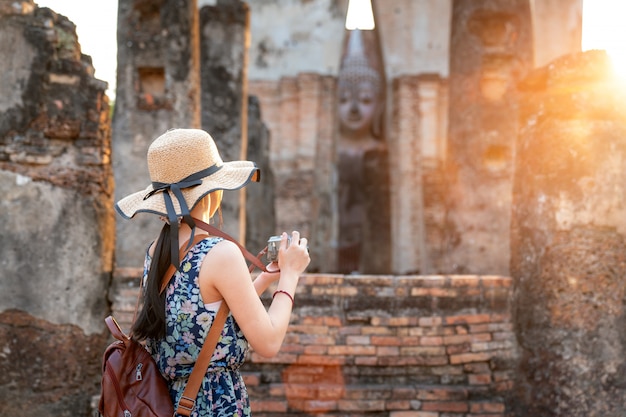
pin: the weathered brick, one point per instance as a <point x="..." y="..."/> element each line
<point x="431" y="341"/>
<point x="469" y="338"/>
<point x="351" y="350"/>
<point x="442" y="394"/>
<point x="387" y="351"/>
<point x="470" y="357"/>
<point x="385" y="340"/>
<point x="468" y="319"/>
<point x="487" y="407"/>
<point x="433" y="321"/>
<point x="321" y="360"/>
<point x="361" y="405"/>
<point x="413" y="414"/>
<point x="480" y="379"/>
<point x="274" y="406"/>
<point x="453" y="406"/>
<point x="359" y="340"/>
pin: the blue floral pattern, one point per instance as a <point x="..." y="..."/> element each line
<point x="189" y="319"/>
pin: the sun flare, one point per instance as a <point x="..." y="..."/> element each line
<point x="604" y="28"/>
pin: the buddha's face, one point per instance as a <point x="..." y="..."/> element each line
<point x="358" y="102"/>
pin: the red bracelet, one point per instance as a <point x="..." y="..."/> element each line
<point x="286" y="293"/>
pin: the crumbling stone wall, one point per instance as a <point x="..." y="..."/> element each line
<point x="56" y="220"/>
<point x="568" y="241"/>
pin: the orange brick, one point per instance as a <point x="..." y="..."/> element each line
<point x="398" y="405"/>
<point x="321" y="360"/>
<point x="487" y="407"/>
<point x="268" y="406"/>
<point x="385" y="341"/>
<point x="413" y="414"/>
<point x="251" y="379"/>
<point x="434" y="292"/>
<point x="469" y="357"/>
<point x="456" y="349"/>
<point x="366" y="360"/>
<point x="464" y="338"/>
<point x="465" y="281"/>
<point x="430" y="321"/>
<point x="431" y="341"/>
<point x="445" y="406"/>
<point x="315" y="350"/>
<point x="468" y="319"/>
<point x="351" y="350"/>
<point x="402" y="321"/>
<point x="378" y="330"/>
<point x="423" y="350"/>
<point x="358" y="340"/>
<point x="387" y="351"/>
<point x="480" y="379"/>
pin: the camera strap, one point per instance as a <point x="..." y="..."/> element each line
<point x="214" y="231"/>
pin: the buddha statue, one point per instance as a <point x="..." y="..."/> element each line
<point x="360" y="107"/>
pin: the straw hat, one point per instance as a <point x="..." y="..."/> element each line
<point x="185" y="166"/>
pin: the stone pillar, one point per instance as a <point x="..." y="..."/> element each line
<point x="417" y="148"/>
<point x="557" y="29"/>
<point x="57" y="228"/>
<point x="225" y="41"/>
<point x="260" y="210"/>
<point x="491" y="49"/>
<point x="158" y="88"/>
<point x="568" y="242"/>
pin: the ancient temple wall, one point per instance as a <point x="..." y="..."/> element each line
<point x="57" y="230"/>
<point x="415" y="36"/>
<point x="158" y="88"/>
<point x="568" y="240"/>
<point x="300" y="114"/>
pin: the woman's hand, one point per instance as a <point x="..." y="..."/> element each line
<point x="293" y="257"/>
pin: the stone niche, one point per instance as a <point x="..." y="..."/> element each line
<point x="56" y="220"/>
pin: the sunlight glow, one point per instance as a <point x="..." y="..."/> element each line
<point x="360" y="15"/>
<point x="604" y="28"/>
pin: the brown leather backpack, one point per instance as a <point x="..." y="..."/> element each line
<point x="132" y="385"/>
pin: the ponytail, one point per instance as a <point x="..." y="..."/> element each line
<point x="150" y="322"/>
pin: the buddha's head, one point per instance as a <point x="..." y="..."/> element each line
<point x="359" y="91"/>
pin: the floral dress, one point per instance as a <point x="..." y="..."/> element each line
<point x="188" y="320"/>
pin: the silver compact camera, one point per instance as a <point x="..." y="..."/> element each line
<point x="273" y="243"/>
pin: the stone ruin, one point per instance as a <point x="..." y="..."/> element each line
<point x="507" y="134"/>
<point x="58" y="231"/>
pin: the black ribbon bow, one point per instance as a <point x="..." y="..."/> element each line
<point x="176" y="188"/>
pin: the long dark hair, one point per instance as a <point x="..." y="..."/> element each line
<point x="150" y="322"/>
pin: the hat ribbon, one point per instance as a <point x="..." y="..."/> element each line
<point x="176" y="188"/>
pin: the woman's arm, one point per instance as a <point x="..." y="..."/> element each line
<point x="224" y="270"/>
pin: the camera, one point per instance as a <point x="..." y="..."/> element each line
<point x="273" y="243"/>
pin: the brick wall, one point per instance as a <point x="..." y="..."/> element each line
<point x="398" y="346"/>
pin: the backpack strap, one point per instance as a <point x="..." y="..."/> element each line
<point x="115" y="329"/>
<point x="187" y="401"/>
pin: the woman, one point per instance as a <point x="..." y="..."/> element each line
<point x="188" y="177"/>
